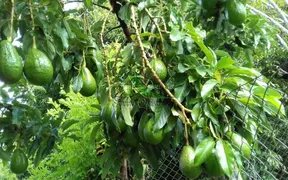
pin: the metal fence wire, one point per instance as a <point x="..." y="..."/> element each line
<point x="270" y="161"/>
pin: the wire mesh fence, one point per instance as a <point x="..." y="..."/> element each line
<point x="269" y="161"/>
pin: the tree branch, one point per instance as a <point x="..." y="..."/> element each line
<point x="143" y="54"/>
<point x="280" y="12"/>
<point x="116" y="6"/>
<point x="282" y="28"/>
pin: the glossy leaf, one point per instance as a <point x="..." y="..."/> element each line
<point x="208" y="88"/>
<point x="196" y="112"/>
<point x="204" y="150"/>
<point x="181" y="92"/>
<point x="225" y="156"/>
<point x="162" y="113"/>
<point x="126" y="108"/>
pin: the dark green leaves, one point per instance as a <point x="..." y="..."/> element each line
<point x="182" y="91"/>
<point x="204" y="150"/>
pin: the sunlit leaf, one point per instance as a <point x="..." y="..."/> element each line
<point x="207" y="88"/>
<point x="204" y="150"/>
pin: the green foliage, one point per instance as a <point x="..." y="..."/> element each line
<point x="206" y="86"/>
<point x="83" y="140"/>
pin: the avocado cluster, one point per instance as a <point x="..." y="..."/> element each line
<point x="37" y="69"/>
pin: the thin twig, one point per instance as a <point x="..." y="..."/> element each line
<point x="11" y="21"/>
<point x="33" y="24"/>
<point x="105" y="56"/>
<point x="143" y="54"/>
<point x="159" y="30"/>
<point x="116" y="27"/>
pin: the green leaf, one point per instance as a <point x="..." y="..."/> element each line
<point x="88" y="4"/>
<point x="162" y="113"/>
<point x="77" y="83"/>
<point x="4" y="155"/>
<point x="266" y="91"/>
<point x="207" y="88"/>
<point x="211" y="59"/>
<point x="242" y="71"/>
<point x="196" y="112"/>
<point x="68" y="123"/>
<point x="66" y="63"/>
<point x="209" y="114"/>
<point x="93" y="134"/>
<point x="125" y="13"/>
<point x="126" y="108"/>
<point x="225" y="62"/>
<point x="225" y="156"/>
<point x="182" y="91"/>
<point x="62" y="33"/>
<point x="135" y="161"/>
<point x="176" y="35"/>
<point x="17" y="113"/>
<point x="204" y="150"/>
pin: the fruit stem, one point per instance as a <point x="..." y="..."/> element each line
<point x="105" y="56"/>
<point x="10" y="38"/>
<point x="186" y="134"/>
<point x="144" y="57"/>
<point x="33" y="24"/>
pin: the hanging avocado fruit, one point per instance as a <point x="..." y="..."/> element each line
<point x="151" y="136"/>
<point x="141" y="126"/>
<point x="236" y="12"/>
<point x="11" y="66"/>
<point x="38" y="68"/>
<point x="19" y="162"/>
<point x="89" y="83"/>
<point x="186" y="163"/>
<point x="160" y="68"/>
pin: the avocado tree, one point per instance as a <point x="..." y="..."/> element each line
<point x="179" y="75"/>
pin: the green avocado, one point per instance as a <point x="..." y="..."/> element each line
<point x="141" y="125"/>
<point x="186" y="163"/>
<point x="11" y="66"/>
<point x="152" y="137"/>
<point x="236" y="12"/>
<point x="160" y="68"/>
<point x="19" y="162"/>
<point x="38" y="68"/>
<point x="89" y="83"/>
